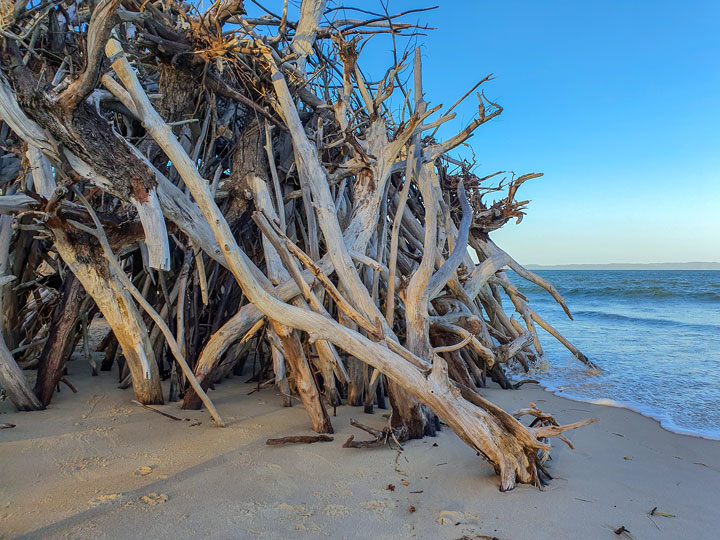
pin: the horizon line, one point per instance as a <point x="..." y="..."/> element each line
<point x="688" y="263"/>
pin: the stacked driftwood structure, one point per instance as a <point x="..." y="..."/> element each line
<point x="220" y="187"/>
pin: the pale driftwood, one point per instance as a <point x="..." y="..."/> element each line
<point x="103" y="283"/>
<point x="304" y="379"/>
<point x="14" y="382"/>
<point x="172" y="343"/>
<point x="175" y="205"/>
<point x="290" y="345"/>
<point x="435" y="390"/>
<point x="310" y="13"/>
<point x="101" y="23"/>
<point x="44" y="183"/>
<point x="185" y="135"/>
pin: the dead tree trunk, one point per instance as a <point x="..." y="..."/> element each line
<point x="14" y="383"/>
<point x="304" y="379"/>
<point x="59" y="345"/>
<point x="81" y="253"/>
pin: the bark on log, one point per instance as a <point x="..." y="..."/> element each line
<point x="59" y="345"/>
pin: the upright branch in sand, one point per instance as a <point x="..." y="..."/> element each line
<point x="223" y="188"/>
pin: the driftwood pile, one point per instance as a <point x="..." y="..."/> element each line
<point x="220" y="187"/>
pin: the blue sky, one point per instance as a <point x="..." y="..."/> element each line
<point x="617" y="102"/>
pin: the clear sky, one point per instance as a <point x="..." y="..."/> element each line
<point x="617" y="102"/>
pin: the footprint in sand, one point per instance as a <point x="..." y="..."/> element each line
<point x="102" y="499"/>
<point x="154" y="498"/>
<point x="376" y="506"/>
<point x="332" y="495"/>
<point x="294" y="511"/>
<point x="143" y="471"/>
<point x="448" y="517"/>
<point x="309" y="526"/>
<point x="335" y="510"/>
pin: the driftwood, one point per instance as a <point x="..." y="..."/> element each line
<point x="166" y="415"/>
<point x="299" y="439"/>
<point x="383" y="437"/>
<point x="232" y="192"/>
<point x="58" y="347"/>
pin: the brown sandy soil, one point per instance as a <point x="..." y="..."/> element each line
<point x="96" y="465"/>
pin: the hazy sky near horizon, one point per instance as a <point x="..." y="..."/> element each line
<point x="616" y="102"/>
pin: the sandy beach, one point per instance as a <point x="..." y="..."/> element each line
<point x="388" y="203"/>
<point x="96" y="465"/>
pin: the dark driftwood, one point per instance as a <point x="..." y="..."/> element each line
<point x="166" y="415"/>
<point x="295" y="439"/>
<point x="70" y="385"/>
<point x="60" y="342"/>
<point x="383" y="437"/>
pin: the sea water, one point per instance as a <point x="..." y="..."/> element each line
<point x="654" y="334"/>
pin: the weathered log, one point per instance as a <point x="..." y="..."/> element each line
<point x="59" y="345"/>
<point x="109" y="256"/>
<point x="11" y="376"/>
<point x="302" y="439"/>
<point x="304" y="380"/>
<point x="84" y="257"/>
<point x="14" y="383"/>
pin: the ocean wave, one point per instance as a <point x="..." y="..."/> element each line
<point x="643" y="328"/>
<point x="653" y="292"/>
<point x="645" y="320"/>
<point x="662" y="417"/>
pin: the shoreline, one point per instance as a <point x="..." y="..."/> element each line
<point x="636" y="408"/>
<point x="94" y="463"/>
<point x="653" y="335"/>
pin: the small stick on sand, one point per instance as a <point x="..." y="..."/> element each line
<point x="160" y="412"/>
<point x="70" y="385"/>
